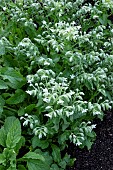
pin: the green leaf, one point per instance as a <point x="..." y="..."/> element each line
<point x="33" y="155"/>
<point x="63" y="137"/>
<point x="16" y="80"/>
<point x="2" y="102"/>
<point x="12" y="168"/>
<point x="9" y="123"/>
<point x="10" y="156"/>
<point x="2" y="48"/>
<point x="3" y="85"/>
<point x="37" y="165"/>
<point x="18" y="97"/>
<point x="19" y="144"/>
<point x="21" y="167"/>
<point x="88" y="144"/>
<point x="3" y="137"/>
<point x="2" y="158"/>
<point x="29" y="108"/>
<point x="2" y="167"/>
<point x="40" y="143"/>
<point x="56" y="153"/>
<point x="54" y="167"/>
<point x="21" y="111"/>
<point x="46" y="155"/>
<point x="62" y="164"/>
<point x="14" y="134"/>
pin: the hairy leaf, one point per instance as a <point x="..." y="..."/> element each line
<point x="3" y="85"/>
<point x="18" y="97"/>
<point x="3" y="137"/>
<point x="14" y="134"/>
<point x="56" y="153"/>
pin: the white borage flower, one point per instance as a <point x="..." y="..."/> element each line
<point x="78" y="142"/>
<point x="4" y="8"/>
<point x="64" y="84"/>
<point x="26" y="114"/>
<point x="52" y="81"/>
<point x="59" y="112"/>
<point x="46" y="63"/>
<point x="68" y="53"/>
<point x="21" y="118"/>
<point x="31" y="92"/>
<point x="44" y="22"/>
<point x="46" y="100"/>
<point x="44" y="133"/>
<point x="48" y="108"/>
<point x="72" y="76"/>
<point x="84" y="110"/>
<point x="45" y="91"/>
<point x="36" y="132"/>
<point x="95" y="17"/>
<point x="60" y="101"/>
<point x="50" y="115"/>
<point x="45" y="129"/>
<point x="26" y="122"/>
<point x="43" y="77"/>
<point x="68" y="113"/>
<point x="31" y="125"/>
<point x="93" y="126"/>
<point x="71" y="92"/>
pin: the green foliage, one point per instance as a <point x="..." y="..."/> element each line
<point x="56" y="76"/>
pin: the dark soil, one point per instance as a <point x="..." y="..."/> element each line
<point x="100" y="157"/>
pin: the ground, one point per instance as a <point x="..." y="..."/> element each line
<point x="101" y="154"/>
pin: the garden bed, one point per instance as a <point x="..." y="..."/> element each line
<point x="101" y="154"/>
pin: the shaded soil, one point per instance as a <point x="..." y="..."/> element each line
<point x="101" y="154"/>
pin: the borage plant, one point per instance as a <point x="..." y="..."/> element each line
<point x="56" y="76"/>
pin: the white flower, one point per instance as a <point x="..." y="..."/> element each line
<point x="44" y="22"/>
<point x="29" y="92"/>
<point x="60" y="101"/>
<point x="46" y="63"/>
<point x="46" y="100"/>
<point x="72" y="76"/>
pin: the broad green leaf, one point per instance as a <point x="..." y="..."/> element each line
<point x="36" y="142"/>
<point x="62" y="164"/>
<point x="88" y="144"/>
<point x="2" y="167"/>
<point x="2" y="158"/>
<point x="2" y="48"/>
<point x="12" y="168"/>
<point x="46" y="155"/>
<point x="19" y="144"/>
<point x="33" y="155"/>
<point x="63" y="137"/>
<point x="9" y="61"/>
<point x="29" y="108"/>
<point x="16" y="80"/>
<point x="54" y="167"/>
<point x="3" y="137"/>
<point x="3" y="85"/>
<point x="2" y="102"/>
<point x="21" y="111"/>
<point x="18" y="97"/>
<point x="10" y="155"/>
<point x="21" y="167"/>
<point x="37" y="165"/>
<point x="56" y="153"/>
<point x="9" y="123"/>
<point x="14" y="134"/>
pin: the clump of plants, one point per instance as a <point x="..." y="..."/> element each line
<point x="56" y="76"/>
